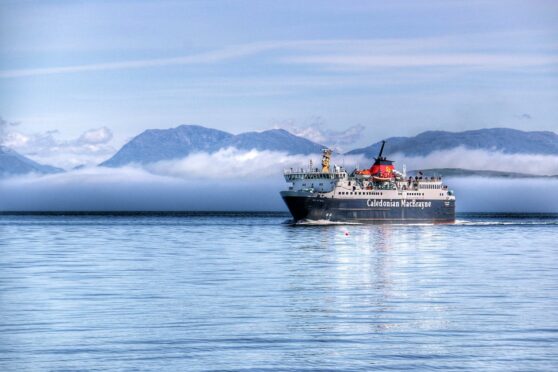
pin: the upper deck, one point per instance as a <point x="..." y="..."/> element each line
<point x="292" y="174"/>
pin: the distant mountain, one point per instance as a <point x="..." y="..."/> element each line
<point x="272" y="140"/>
<point x="509" y="141"/>
<point x="12" y="163"/>
<point x="165" y="144"/>
<point x="459" y="172"/>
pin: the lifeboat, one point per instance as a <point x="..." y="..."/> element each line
<point x="363" y="173"/>
<point x="381" y="179"/>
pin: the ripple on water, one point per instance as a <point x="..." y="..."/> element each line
<point x="239" y="291"/>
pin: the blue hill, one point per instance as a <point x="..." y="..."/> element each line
<point x="273" y="140"/>
<point x="155" y="145"/>
<point x="164" y="144"/>
<point x="510" y="141"/>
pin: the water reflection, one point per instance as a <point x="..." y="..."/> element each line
<point x="252" y="293"/>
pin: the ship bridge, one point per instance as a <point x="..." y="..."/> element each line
<point x="292" y="175"/>
<point x="315" y="179"/>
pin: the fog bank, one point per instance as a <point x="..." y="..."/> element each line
<point x="543" y="165"/>
<point x="233" y="180"/>
<point x="128" y="189"/>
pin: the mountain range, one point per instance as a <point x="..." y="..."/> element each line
<point x="459" y="172"/>
<point x="164" y="144"/>
<point x="509" y="141"/>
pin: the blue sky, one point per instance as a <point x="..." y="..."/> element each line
<point x="386" y="68"/>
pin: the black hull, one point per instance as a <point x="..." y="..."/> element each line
<point x="369" y="210"/>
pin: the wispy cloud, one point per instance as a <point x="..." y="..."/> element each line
<point x="346" y="53"/>
<point x="201" y="58"/>
<point x="427" y="60"/>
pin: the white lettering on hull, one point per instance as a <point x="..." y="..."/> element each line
<point x="379" y="203"/>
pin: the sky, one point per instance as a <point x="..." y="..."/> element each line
<point x="80" y="78"/>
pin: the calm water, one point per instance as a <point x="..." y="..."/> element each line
<point x="214" y="292"/>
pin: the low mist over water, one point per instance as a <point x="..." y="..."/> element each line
<point x="134" y="189"/>
<point x="232" y="179"/>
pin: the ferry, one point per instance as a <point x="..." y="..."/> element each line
<point x="379" y="194"/>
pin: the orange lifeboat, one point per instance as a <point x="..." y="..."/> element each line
<point x="363" y="173"/>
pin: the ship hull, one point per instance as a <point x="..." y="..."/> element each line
<point x="314" y="208"/>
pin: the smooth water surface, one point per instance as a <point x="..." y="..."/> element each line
<point x="248" y="291"/>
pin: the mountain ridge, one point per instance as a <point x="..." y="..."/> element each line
<point x="166" y="144"/>
<point x="462" y="172"/>
<point x="154" y="145"/>
<point x="506" y="140"/>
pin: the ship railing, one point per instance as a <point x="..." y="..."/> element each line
<point x="424" y="179"/>
<point x="309" y="171"/>
<point x="301" y="174"/>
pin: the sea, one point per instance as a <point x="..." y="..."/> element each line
<point x="253" y="292"/>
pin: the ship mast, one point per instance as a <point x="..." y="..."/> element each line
<point x="326" y="156"/>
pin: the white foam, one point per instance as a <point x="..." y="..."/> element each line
<point x="325" y="222"/>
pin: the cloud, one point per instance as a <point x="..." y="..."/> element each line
<point x="317" y="132"/>
<point x="231" y="180"/>
<point x="91" y="147"/>
<point x="231" y="164"/>
<point x="345" y="53"/>
<point x="96" y="136"/>
<point x="234" y="164"/>
<point x="425" y="60"/>
<point x="215" y="56"/>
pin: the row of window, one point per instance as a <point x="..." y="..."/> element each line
<point x="423" y="186"/>
<point x="377" y="193"/>
<point x="359" y="193"/>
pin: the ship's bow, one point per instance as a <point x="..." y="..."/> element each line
<point x="298" y="204"/>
